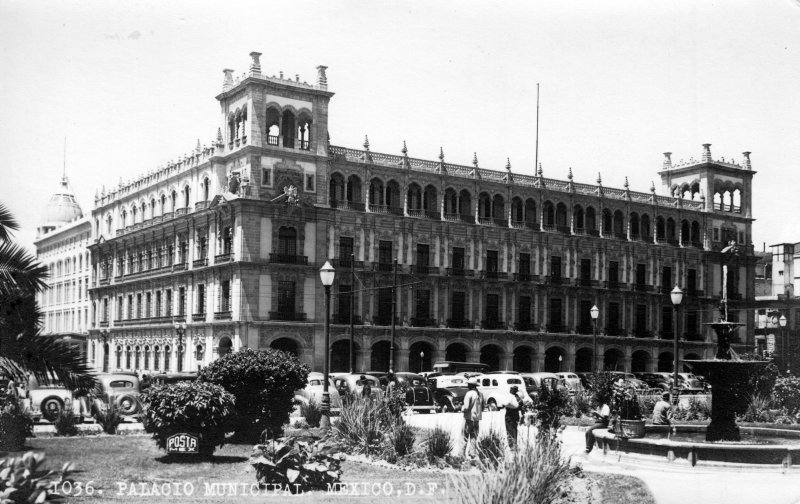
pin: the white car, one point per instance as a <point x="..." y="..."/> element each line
<point x="48" y="401"/>
<point x="314" y="390"/>
<point x="496" y="389"/>
<point x="572" y="381"/>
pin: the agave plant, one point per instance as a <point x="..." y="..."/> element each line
<point x="22" y="349"/>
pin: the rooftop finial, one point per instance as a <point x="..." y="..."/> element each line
<point x="626" y="183"/>
<point x="652" y="187"/>
<point x="227" y="81"/>
<point x="540" y="170"/>
<point x="508" y="164"/>
<point x="404" y="150"/>
<point x="599" y="179"/>
<point x="366" y="142"/>
<point x="255" y="64"/>
<point x="706" y="153"/>
<point x="441" y="154"/>
<point x="746" y="163"/>
<point x="667" y="160"/>
<point x="475" y="159"/>
<point x="198" y="149"/>
<point x="322" y="79"/>
<point x="569" y="175"/>
<point x="219" y="137"/>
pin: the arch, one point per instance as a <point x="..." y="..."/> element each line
<point x="619" y="224"/>
<point x="665" y="362"/>
<point x="591" y="219"/>
<point x="554" y="359"/>
<point x="523" y="359"/>
<point x="304" y="123"/>
<point x="644" y="227"/>
<point x="498" y="208"/>
<point x="635" y="225"/>
<point x="420" y="355"/>
<point x="273" y="129"/>
<point x="288" y="345"/>
<point x="376" y="193"/>
<point x="174" y="200"/>
<point x="225" y="346"/>
<point x="353" y="190"/>
<point x="336" y="188"/>
<point x="414" y="197"/>
<point x="583" y="360"/>
<point x="186" y="193"/>
<point x="579" y="218"/>
<point x="490" y="355"/>
<point x="661" y="229"/>
<point x="671" y="229"/>
<point x="429" y="198"/>
<point x="340" y="355"/>
<point x="393" y="200"/>
<point x="484" y="206"/>
<point x="156" y="358"/>
<point x="206" y="188"/>
<point x="640" y="361"/>
<point x="695" y="233"/>
<point x="517" y="209"/>
<point x="152" y="207"/>
<point x="465" y="203"/>
<point x="608" y="222"/>
<point x="561" y="215"/>
<point x="456" y="352"/>
<point x="450" y="201"/>
<point x="287" y="241"/>
<point x="685" y="231"/>
<point x="530" y="213"/>
<point x="379" y="358"/>
<point x="549" y="214"/>
<point x="613" y="360"/>
<point x="288" y="128"/>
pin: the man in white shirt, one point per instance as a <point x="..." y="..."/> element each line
<point x="473" y="411"/>
<point x="601" y="416"/>
<point x="512" y="416"/>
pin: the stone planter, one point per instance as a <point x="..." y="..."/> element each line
<point x="631" y="428"/>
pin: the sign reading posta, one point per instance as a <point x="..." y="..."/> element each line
<point x="182" y="443"/>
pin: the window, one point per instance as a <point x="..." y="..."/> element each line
<point x="613" y="319"/>
<point x="105" y="309"/>
<point x="716" y="234"/>
<point x="384" y="252"/>
<point x="459" y="303"/>
<point x="458" y="258"/>
<point x="147" y="304"/>
<point x="666" y="278"/>
<point x="182" y="301"/>
<point x="167" y="357"/>
<point x="119" y="357"/>
<point x="158" y="303"/>
<point x="119" y="308"/>
<point x="524" y="311"/>
<point x="524" y="264"/>
<point x="286" y="297"/>
<point x="170" y="254"/>
<point x="266" y="177"/>
<point x="422" y="303"/>
<point x="201" y="298"/>
<point x="641" y="274"/>
<point x="345" y="250"/>
<point x="555" y="267"/>
<point x="423" y="252"/>
<point x="310" y="183"/>
<point x="202" y="247"/>
<point x="385" y="306"/>
<point x="585" y="315"/>
<point x="128" y="357"/>
<point x="225" y="296"/>
<point x="287" y="241"/>
<point x="138" y="306"/>
<point x="130" y="306"/>
<point x="156" y="357"/>
<point x="641" y="319"/>
<point x="344" y="303"/>
<point x="491" y="261"/>
<point x="492" y="308"/>
<point x="168" y="303"/>
<point x="586" y="270"/>
<point x="613" y="272"/>
<point x="666" y="321"/>
<point x="691" y="324"/>
<point x="556" y="315"/>
<point x="226" y="240"/>
<point x="183" y="247"/>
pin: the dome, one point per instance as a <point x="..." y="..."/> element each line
<point x="62" y="207"/>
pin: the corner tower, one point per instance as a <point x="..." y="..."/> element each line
<point x="276" y="129"/>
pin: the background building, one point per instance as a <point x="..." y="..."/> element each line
<point x="62" y="245"/>
<point x="777" y="285"/>
<point x="491" y="265"/>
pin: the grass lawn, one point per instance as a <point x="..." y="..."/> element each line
<point x="126" y="468"/>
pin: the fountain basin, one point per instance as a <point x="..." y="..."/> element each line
<point x="770" y="446"/>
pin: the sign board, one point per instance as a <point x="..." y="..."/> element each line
<point x="770" y="343"/>
<point x="182" y="443"/>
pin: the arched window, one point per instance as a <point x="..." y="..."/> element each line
<point x="206" y="184"/>
<point x="414" y="199"/>
<point x="353" y="189"/>
<point x="167" y="357"/>
<point x="591" y="220"/>
<point x="138" y="358"/>
<point x="226" y="240"/>
<point x="484" y="206"/>
<point x="174" y="200"/>
<point x="156" y="357"/>
<point x="465" y="205"/>
<point x="531" y="220"/>
<point x="644" y="226"/>
<point x="147" y="357"/>
<point x="288" y="129"/>
<point x="561" y="216"/>
<point x="119" y="356"/>
<point x="635" y="227"/>
<point x="152" y="207"/>
<point x="549" y="215"/>
<point x="186" y="196"/>
<point x="578" y="218"/>
<point x="671" y="229"/>
<point x="685" y="232"/>
<point x="336" y="189"/>
<point x="128" y="357"/>
<point x="304" y="132"/>
<point x="199" y="353"/>
<point x="163" y="203"/>
<point x="608" y="222"/>
<point x="287" y="241"/>
<point x="695" y="234"/>
<point x="273" y="126"/>
<point x="619" y="224"/>
<point x="661" y="231"/>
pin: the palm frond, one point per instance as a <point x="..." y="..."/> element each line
<point x="20" y="271"/>
<point x="7" y="223"/>
<point x="48" y="359"/>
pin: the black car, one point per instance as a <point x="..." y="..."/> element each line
<point x="448" y="391"/>
<point x="655" y="380"/>
<point x="418" y="397"/>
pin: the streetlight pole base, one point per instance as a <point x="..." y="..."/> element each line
<point x="325" y="419"/>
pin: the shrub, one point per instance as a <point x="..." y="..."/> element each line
<point x="298" y="465"/>
<point x="438" y="444"/>
<point x="15" y="423"/>
<point x="601" y="387"/>
<point x="66" y="423"/>
<point x="402" y="437"/>
<point x="311" y="411"/>
<point x="395" y="401"/>
<point x="108" y="418"/>
<point x="491" y="447"/>
<point x="787" y="394"/>
<point x="647" y="403"/>
<point x="203" y="409"/>
<point x="696" y="409"/>
<point x="763" y="381"/>
<point x="361" y="424"/>
<point x="758" y="410"/>
<point x="536" y="472"/>
<point x="24" y="479"/>
<point x="625" y="402"/>
<point x="263" y="383"/>
<point x="581" y="404"/>
<point x="548" y="408"/>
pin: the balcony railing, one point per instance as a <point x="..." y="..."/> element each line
<point x="556" y="328"/>
<point x="422" y="322"/>
<point x="288" y="259"/>
<point x="614" y="331"/>
<point x="385" y="320"/>
<point x="642" y="287"/>
<point x="166" y="215"/>
<point x="378" y="208"/>
<point x="181" y="211"/>
<point x="223" y="258"/>
<point x="347" y="263"/>
<point x="433" y="215"/>
<point x="417" y="269"/>
<point x="199" y="263"/>
<point x="104" y="281"/>
<point x="564" y="230"/>
<point x="104" y="323"/>
<point x="161" y="320"/>
<point x="344" y="319"/>
<point x="452" y="217"/>
<point x="200" y="205"/>
<point x="642" y="333"/>
<point x="415" y="212"/>
<point x="494" y="275"/>
<point x="584" y="329"/>
<point x="612" y="284"/>
<point x="272" y="139"/>
<point x="526" y="277"/>
<point x="492" y="325"/>
<point x="305" y="145"/>
<point x="524" y="326"/>
<point x="459" y="323"/>
<point x="347" y="205"/>
<point x="179" y="266"/>
<point x="287" y="316"/>
<point x="198" y="317"/>
<point x="501" y="222"/>
<point x="222" y="315"/>
<point x="460" y="272"/>
<point x="554" y="279"/>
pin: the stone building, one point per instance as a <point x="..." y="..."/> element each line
<point x="61" y="244"/>
<point x="492" y="265"/>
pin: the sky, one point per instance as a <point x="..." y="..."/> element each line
<point x="131" y="86"/>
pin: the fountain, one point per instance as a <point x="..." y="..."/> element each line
<point x="728" y="375"/>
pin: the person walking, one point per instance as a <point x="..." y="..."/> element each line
<point x="473" y="411"/>
<point x="601" y="417"/>
<point x="366" y="389"/>
<point x="513" y="407"/>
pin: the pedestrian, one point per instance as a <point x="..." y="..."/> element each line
<point x="390" y="386"/>
<point x="513" y="407"/>
<point x="366" y="388"/>
<point x="662" y="411"/>
<point x="601" y="417"/>
<point x="473" y="410"/>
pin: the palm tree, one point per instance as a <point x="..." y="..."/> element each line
<point x="22" y="349"/>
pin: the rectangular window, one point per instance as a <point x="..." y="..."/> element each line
<point x="716" y="234"/>
<point x="492" y="308"/>
<point x="692" y="325"/>
<point x="666" y="279"/>
<point x="555" y="267"/>
<point x="225" y="296"/>
<point x="458" y="309"/>
<point x="384" y="252"/>
<point x="585" y="316"/>
<point x="344" y="303"/>
<point x="612" y="325"/>
<point x="423" y="303"/>
<point x="491" y="261"/>
<point x="691" y="280"/>
<point x="666" y="322"/>
<point x="524" y="312"/>
<point x="458" y="258"/>
<point x="201" y="299"/>
<point x="345" y="250"/>
<point x="524" y="264"/>
<point x="158" y="303"/>
<point x="147" y="304"/>
<point x="641" y="320"/>
<point x="182" y="302"/>
<point x="202" y="247"/>
<point x="105" y="309"/>
<point x="385" y="306"/>
<point x="170" y="254"/>
<point x="555" y="319"/>
<point x="641" y="274"/>
<point x="168" y="303"/>
<point x="119" y="307"/>
<point x="183" y="247"/>
<point x="613" y="273"/>
<point x="423" y="252"/>
<point x="266" y="177"/>
<point x="286" y="297"/>
<point x="310" y="183"/>
<point x="586" y="270"/>
<point x="138" y="306"/>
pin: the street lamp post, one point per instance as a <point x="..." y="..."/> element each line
<point x="595" y="312"/>
<point x="559" y="363"/>
<point x="677" y="297"/>
<point x="421" y="358"/>
<point x="180" y="329"/>
<point x="326" y="274"/>
<point x="782" y="322"/>
<point x="104" y="335"/>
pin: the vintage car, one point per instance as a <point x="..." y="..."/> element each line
<point x="352" y="385"/>
<point x="47" y="401"/>
<point x="655" y="380"/>
<point x="448" y="391"/>
<point x="314" y="389"/>
<point x="166" y="379"/>
<point x="120" y="390"/>
<point x="418" y="396"/>
<point x="571" y="380"/>
<point x="496" y="389"/>
<point x="535" y="381"/>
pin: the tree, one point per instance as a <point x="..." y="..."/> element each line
<point x="22" y="349"/>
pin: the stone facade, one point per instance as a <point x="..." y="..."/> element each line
<point x="492" y="265"/>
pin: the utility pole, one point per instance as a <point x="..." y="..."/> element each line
<point x="394" y="310"/>
<point x="352" y="308"/>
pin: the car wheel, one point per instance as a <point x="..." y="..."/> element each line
<point x="127" y="405"/>
<point x="51" y="408"/>
<point x="98" y="406"/>
<point x="491" y="405"/>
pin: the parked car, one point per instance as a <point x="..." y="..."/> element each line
<point x="655" y="380"/>
<point x="631" y="379"/>
<point x="496" y="389"/>
<point x="166" y="379"/>
<point x="535" y="381"/>
<point x="418" y="396"/>
<point x="121" y="390"/>
<point x="314" y="389"/>
<point x="571" y="380"/>
<point x="688" y="382"/>
<point x="352" y="384"/>
<point x="453" y="367"/>
<point x="448" y="391"/>
<point x="48" y="401"/>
